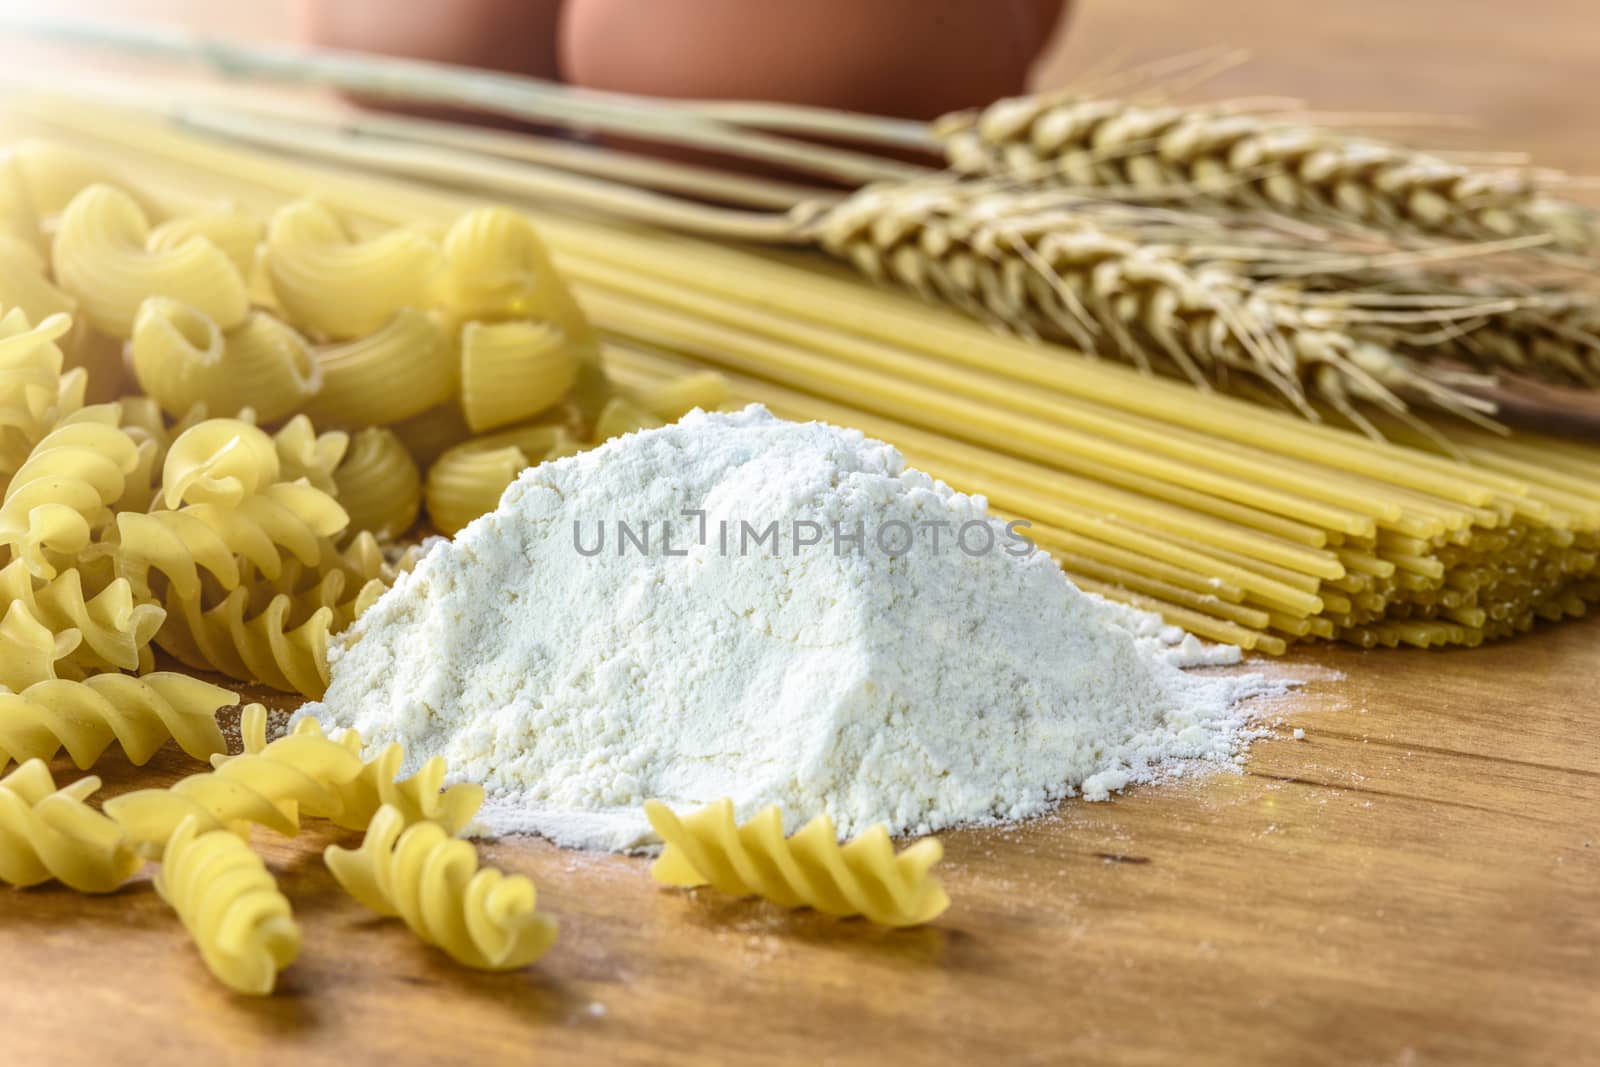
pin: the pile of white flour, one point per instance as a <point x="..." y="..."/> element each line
<point x="778" y="613"/>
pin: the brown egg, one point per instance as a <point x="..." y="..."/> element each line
<point x="509" y="35"/>
<point x="912" y="58"/>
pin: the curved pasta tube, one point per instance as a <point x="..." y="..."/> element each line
<point x="286" y="518"/>
<point x="25" y="284"/>
<point x="379" y="484"/>
<point x="513" y="371"/>
<point x="238" y="235"/>
<point x="334" y="285"/>
<point x="468" y="480"/>
<point x="304" y="453"/>
<point x="671" y="400"/>
<point x="269" y="787"/>
<point x="810" y="869"/>
<point x="66" y="486"/>
<point x="229" y="903"/>
<point x="115" y="629"/>
<point x="53" y="174"/>
<point x="85" y="717"/>
<point x="481" y="918"/>
<point x="182" y="358"/>
<point x="101" y="259"/>
<point x="497" y="267"/>
<point x="268" y="647"/>
<point x="19" y="219"/>
<point x="48" y="833"/>
<point x="622" y="416"/>
<point x="400" y="370"/>
<point x="218" y="461"/>
<point x="420" y="798"/>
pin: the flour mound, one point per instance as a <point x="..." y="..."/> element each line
<point x="922" y="689"/>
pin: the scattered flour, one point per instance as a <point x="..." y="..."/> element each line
<point x="922" y="689"/>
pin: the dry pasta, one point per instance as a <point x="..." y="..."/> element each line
<point x="101" y="258"/>
<point x="420" y="798"/>
<point x="401" y="369"/>
<point x="30" y="650"/>
<point x="231" y="907"/>
<point x="66" y="487"/>
<point x="622" y="416"/>
<point x="237" y="233"/>
<point x="513" y="371"/>
<point x="379" y="484"/>
<point x="34" y="392"/>
<point x="481" y="918"/>
<point x="84" y="718"/>
<point x="48" y="833"/>
<point x="218" y="461"/>
<point x="267" y="788"/>
<point x="671" y="400"/>
<point x="270" y="646"/>
<point x="334" y="285"/>
<point x="183" y="359"/>
<point x="25" y="282"/>
<point x="305" y="453"/>
<point x="809" y="869"/>
<point x="428" y="435"/>
<point x="115" y="628"/>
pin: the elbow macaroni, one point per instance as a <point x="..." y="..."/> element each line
<point x="183" y="359"/>
<point x="379" y="484"/>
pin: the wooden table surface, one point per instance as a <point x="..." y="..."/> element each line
<point x="1416" y="882"/>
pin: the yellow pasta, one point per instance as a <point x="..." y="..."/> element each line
<point x="218" y="461"/>
<point x="400" y="370"/>
<point x="269" y="787"/>
<point x="65" y="488"/>
<point x="182" y="359"/>
<point x="334" y="285"/>
<point x="48" y="833"/>
<point x="622" y="416"/>
<point x="271" y="646"/>
<point x="34" y="393"/>
<point x="115" y="629"/>
<point x="481" y="918"/>
<point x="513" y="371"/>
<point x="25" y="282"/>
<point x="674" y="398"/>
<point x="305" y="453"/>
<point x="53" y="174"/>
<point x="428" y="435"/>
<point x="30" y="650"/>
<point x="809" y="869"/>
<point x="101" y="259"/>
<point x="19" y="220"/>
<point x="231" y="907"/>
<point x="84" y="718"/>
<point x="286" y="518"/>
<point x="237" y="233"/>
<point x="420" y="798"/>
<point x="379" y="484"/>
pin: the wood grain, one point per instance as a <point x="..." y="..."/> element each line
<point x="1416" y="882"/>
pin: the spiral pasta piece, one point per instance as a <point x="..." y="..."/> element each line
<point x="232" y="908"/>
<point x="335" y="285"/>
<point x="513" y="371"/>
<point x="268" y="787"/>
<point x="809" y="869"/>
<point x="269" y="647"/>
<point x="286" y="518"/>
<point x="182" y="358"/>
<point x="30" y="380"/>
<point x="482" y="918"/>
<point x="305" y="453"/>
<point x="218" y="461"/>
<point x="25" y="282"/>
<point x="101" y="259"/>
<point x="468" y="480"/>
<point x="30" y="650"/>
<point x="63" y="491"/>
<point x="420" y="798"/>
<point x="379" y="484"/>
<point x="51" y="834"/>
<point x="398" y="371"/>
<point x="85" y="717"/>
<point x="116" y="630"/>
<point x="237" y="233"/>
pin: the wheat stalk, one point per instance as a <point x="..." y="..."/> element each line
<point x="1277" y="162"/>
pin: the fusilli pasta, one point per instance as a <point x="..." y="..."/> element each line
<point x="334" y="285"/>
<point x="379" y="484"/>
<point x="182" y="359"/>
<point x="101" y="258"/>
<point x="270" y="646"/>
<point x="231" y="907"/>
<point x="85" y="717"/>
<point x="48" y="833"/>
<point x="218" y="461"/>
<point x="305" y="453"/>
<point x="116" y="630"/>
<point x="481" y="918"/>
<point x="809" y="869"/>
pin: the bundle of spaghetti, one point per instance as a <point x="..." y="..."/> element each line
<point x="1203" y="506"/>
<point x="421" y="797"/>
<point x="809" y="868"/>
<point x="48" y="833"/>
<point x="481" y="917"/>
<point x="230" y="905"/>
<point x="267" y="787"/>
<point x="182" y="358"/>
<point x="1252" y="158"/>
<point x="379" y="484"/>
